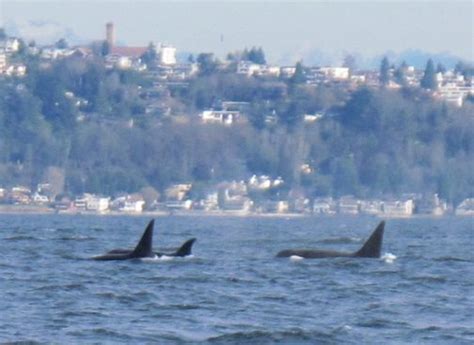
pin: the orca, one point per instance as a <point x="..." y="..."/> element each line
<point x="144" y="248"/>
<point x="371" y="249"/>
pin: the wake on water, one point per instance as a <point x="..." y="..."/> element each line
<point x="389" y="258"/>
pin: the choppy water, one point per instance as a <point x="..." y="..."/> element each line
<point x="233" y="291"/>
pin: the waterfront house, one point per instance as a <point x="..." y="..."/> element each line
<point x="465" y="208"/>
<point x="324" y="206"/>
<point x="398" y="208"/>
<point x="371" y="207"/>
<point x="348" y="205"/>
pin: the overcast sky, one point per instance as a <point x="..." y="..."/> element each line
<point x="288" y="30"/>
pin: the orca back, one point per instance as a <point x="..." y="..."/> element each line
<point x="373" y="246"/>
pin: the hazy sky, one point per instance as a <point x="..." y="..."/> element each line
<point x="284" y="29"/>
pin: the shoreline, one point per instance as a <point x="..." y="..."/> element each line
<point x="43" y="210"/>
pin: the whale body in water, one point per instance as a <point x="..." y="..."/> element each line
<point x="144" y="248"/>
<point x="371" y="249"/>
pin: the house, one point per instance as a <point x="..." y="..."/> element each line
<point x="348" y="205"/>
<point x="465" y="208"/>
<point x="309" y="118"/>
<point x="3" y="61"/>
<point x="431" y="205"/>
<point x="20" y="195"/>
<point x="225" y="117"/>
<point x="10" y="45"/>
<point x="335" y="73"/>
<point x="237" y="203"/>
<point x="53" y="53"/>
<point x="324" y="206"/>
<point x="167" y="55"/>
<point x="91" y="202"/>
<point x="40" y="199"/>
<point x="398" y="208"/>
<point x="371" y="207"/>
<point x="279" y="206"/>
<point x="287" y="71"/>
<point x="179" y="204"/>
<point x="300" y="205"/>
<point x="209" y="203"/>
<point x="177" y="192"/>
<point x="17" y="70"/>
<point x="248" y="68"/>
<point x="128" y="203"/>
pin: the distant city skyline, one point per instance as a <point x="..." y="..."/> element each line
<point x="287" y="32"/>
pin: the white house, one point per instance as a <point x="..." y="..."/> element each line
<point x="398" y="208"/>
<point x="167" y="55"/>
<point x="3" y="61"/>
<point x="133" y="206"/>
<point x="336" y="73"/>
<point x="465" y="208"/>
<point x="226" y="117"/>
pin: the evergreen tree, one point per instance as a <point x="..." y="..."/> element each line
<point x="299" y="76"/>
<point x="429" y="77"/>
<point x="400" y="74"/>
<point x="350" y="62"/>
<point x="384" y="76"/>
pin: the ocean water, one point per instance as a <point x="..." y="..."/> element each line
<point x="233" y="290"/>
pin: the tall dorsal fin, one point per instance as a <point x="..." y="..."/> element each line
<point x="373" y="246"/>
<point x="185" y="249"/>
<point x="144" y="248"/>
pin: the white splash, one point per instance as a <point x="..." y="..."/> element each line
<point x="389" y="258"/>
<point x="166" y="258"/>
<point x="296" y="258"/>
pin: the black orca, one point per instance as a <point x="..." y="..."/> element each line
<point x="184" y="250"/>
<point x="144" y="248"/>
<point x="370" y="249"/>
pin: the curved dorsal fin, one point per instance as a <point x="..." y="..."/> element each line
<point x="144" y="248"/>
<point x="373" y="246"/>
<point x="185" y="249"/>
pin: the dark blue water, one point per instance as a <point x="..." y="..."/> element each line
<point x="233" y="291"/>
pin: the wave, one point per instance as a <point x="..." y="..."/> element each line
<point x="22" y="342"/>
<point x="76" y="238"/>
<point x="23" y="238"/>
<point x="429" y="279"/>
<point x="452" y="258"/>
<point x="298" y="336"/>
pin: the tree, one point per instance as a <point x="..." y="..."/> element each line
<point x="149" y="57"/>
<point x="3" y="34"/>
<point x="384" y="75"/>
<point x="207" y="64"/>
<point x="299" y="76"/>
<point x="255" y="55"/>
<point x="105" y="48"/>
<point x="429" y="77"/>
<point x="350" y="62"/>
<point x="400" y="74"/>
<point x="62" y="44"/>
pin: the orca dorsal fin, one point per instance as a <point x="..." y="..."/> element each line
<point x="372" y="247"/>
<point x="185" y="249"/>
<point x="144" y="248"/>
